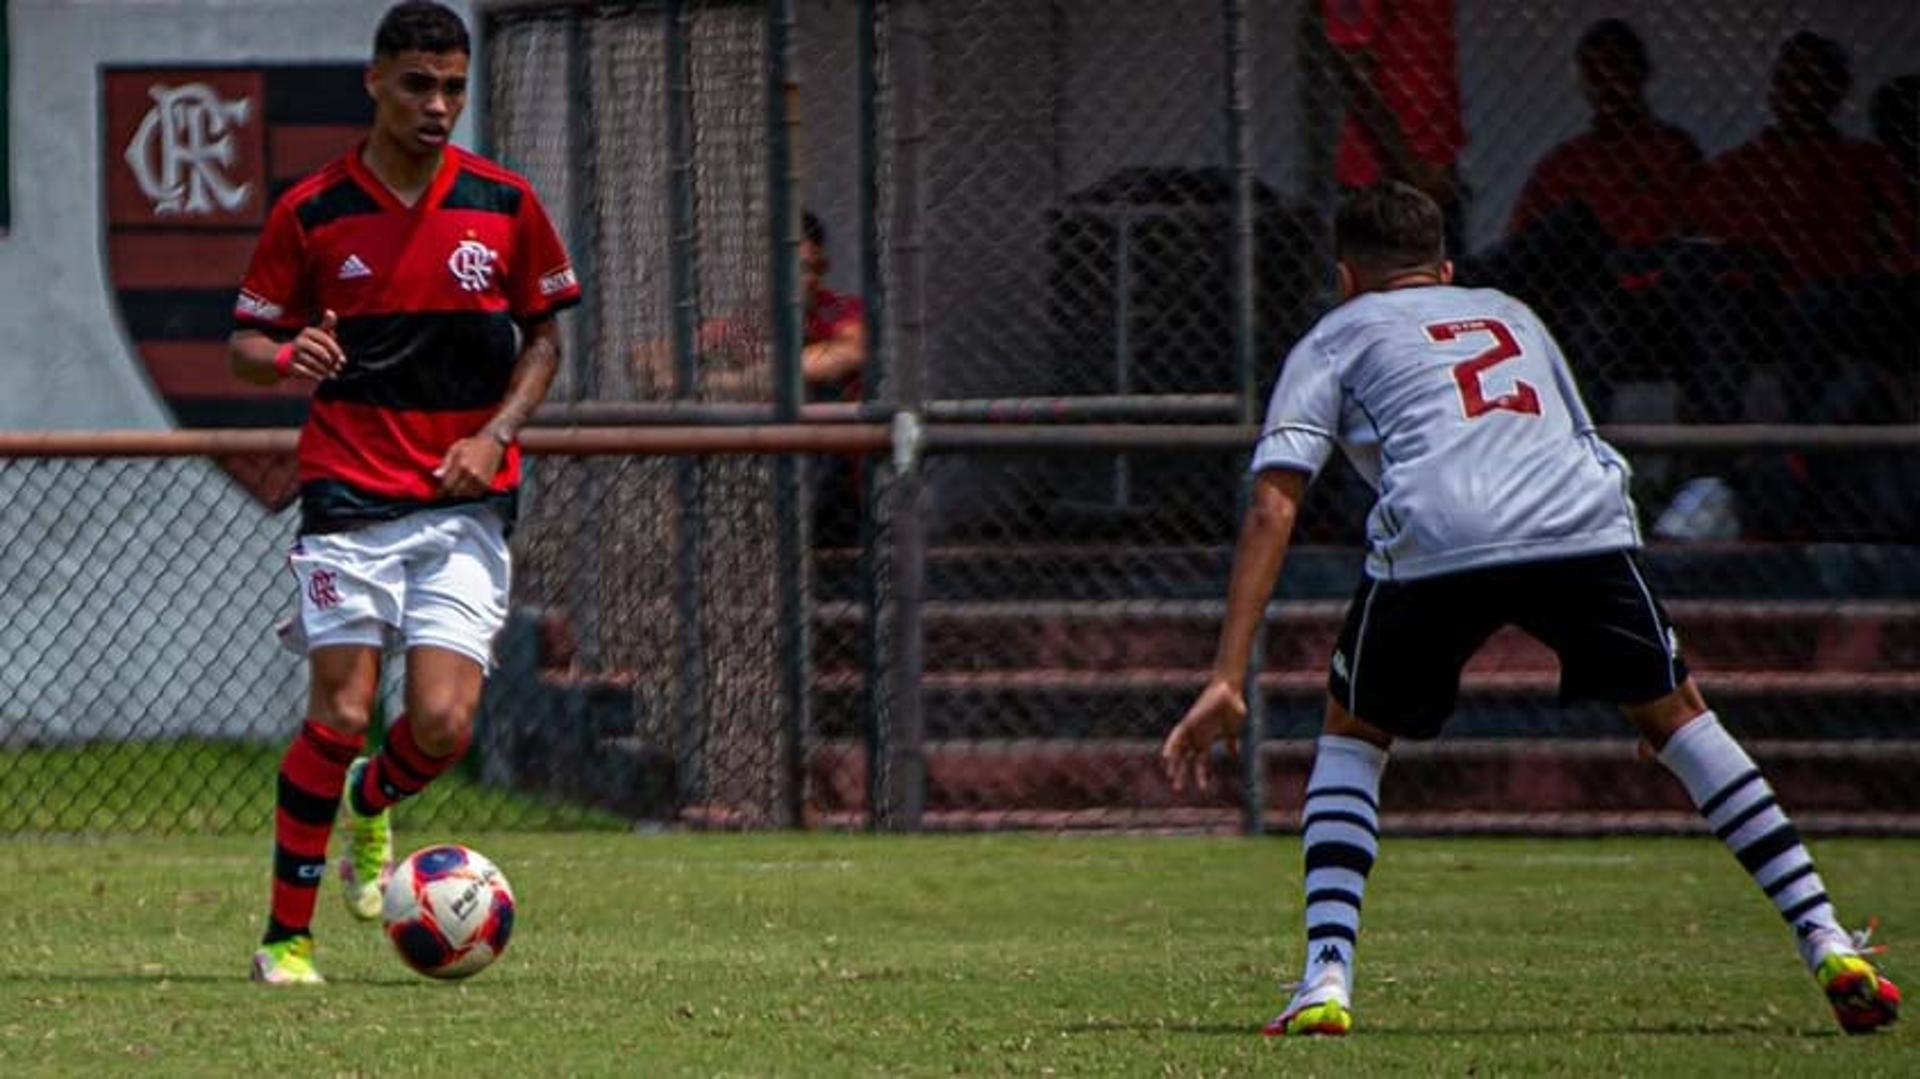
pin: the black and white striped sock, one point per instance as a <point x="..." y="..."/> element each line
<point x="1740" y="808"/>
<point x="1340" y="836"/>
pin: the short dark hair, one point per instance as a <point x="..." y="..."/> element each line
<point x="420" y="26"/>
<point x="1615" y="41"/>
<point x="1389" y="227"/>
<point x="1828" y="57"/>
<point x="813" y="230"/>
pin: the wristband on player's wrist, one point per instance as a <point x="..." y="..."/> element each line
<point x="283" y="360"/>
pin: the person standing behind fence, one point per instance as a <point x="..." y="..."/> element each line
<point x="1807" y="220"/>
<point x="416" y="284"/>
<point x="737" y="348"/>
<point x="1595" y="218"/>
<point x="1499" y="504"/>
<point x="1394" y="62"/>
<point x="737" y="352"/>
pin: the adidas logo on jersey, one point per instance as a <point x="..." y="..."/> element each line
<point x="353" y="268"/>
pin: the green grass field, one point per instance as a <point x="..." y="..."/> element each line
<point x="217" y="787"/>
<point x="765" y="954"/>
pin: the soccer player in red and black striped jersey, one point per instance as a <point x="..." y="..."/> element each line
<point x="417" y="284"/>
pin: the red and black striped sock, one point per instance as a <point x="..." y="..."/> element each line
<point x="401" y="770"/>
<point x="311" y="775"/>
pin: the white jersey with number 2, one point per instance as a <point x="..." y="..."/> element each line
<point x="1458" y="408"/>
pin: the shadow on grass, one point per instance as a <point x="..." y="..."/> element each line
<point x="50" y="980"/>
<point x="1119" y="1026"/>
<point x="1726" y="1029"/>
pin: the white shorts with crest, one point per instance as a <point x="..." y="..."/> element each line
<point x="436" y="578"/>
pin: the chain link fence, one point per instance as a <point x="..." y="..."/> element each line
<point x="1057" y="214"/>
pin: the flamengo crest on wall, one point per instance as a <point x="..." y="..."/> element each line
<point x="193" y="157"/>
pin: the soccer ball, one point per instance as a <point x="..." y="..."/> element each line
<point x="448" y="911"/>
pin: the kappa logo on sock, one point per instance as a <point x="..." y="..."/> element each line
<point x="313" y="871"/>
<point x="1328" y="954"/>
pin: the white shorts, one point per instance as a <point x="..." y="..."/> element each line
<point x="437" y="578"/>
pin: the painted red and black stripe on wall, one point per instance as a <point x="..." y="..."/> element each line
<point x="193" y="158"/>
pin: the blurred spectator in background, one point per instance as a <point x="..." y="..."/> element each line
<point x="1630" y="168"/>
<point x="733" y="357"/>
<point x="832" y="362"/>
<point x="1895" y="118"/>
<point x="1808" y="268"/>
<point x="836" y="324"/>
<point x="1394" y="61"/>
<point x="733" y="350"/>
<point x="1593" y="222"/>
<point x="1812" y="227"/>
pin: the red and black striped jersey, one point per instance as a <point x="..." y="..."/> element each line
<point x="427" y="298"/>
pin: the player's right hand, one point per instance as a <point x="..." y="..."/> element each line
<point x="1216" y="715"/>
<point x="317" y="354"/>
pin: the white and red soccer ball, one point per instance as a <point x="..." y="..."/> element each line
<point x="448" y="911"/>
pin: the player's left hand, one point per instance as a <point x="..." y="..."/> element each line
<point x="468" y="469"/>
<point x="1217" y="714"/>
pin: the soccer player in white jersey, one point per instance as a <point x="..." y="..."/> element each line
<point x="1497" y="504"/>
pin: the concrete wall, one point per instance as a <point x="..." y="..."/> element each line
<point x="64" y="362"/>
<point x="139" y="596"/>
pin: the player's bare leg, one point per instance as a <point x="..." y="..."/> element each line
<point x="1340" y="836"/>
<point x="443" y="691"/>
<point x="312" y="773"/>
<point x="1739" y="806"/>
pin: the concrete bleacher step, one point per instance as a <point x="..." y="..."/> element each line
<point x="1118" y="635"/>
<point x="1033" y="572"/>
<point x="1092" y="669"/>
<point x="1486" y="784"/>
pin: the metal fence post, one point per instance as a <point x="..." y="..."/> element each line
<point x="583" y="182"/>
<point x="790" y="526"/>
<point x="683" y="282"/>
<point x="875" y="516"/>
<point x="1240" y="168"/>
<point x="903" y="800"/>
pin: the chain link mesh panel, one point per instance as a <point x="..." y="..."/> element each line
<point x="1053" y="670"/>
<point x="1057" y="194"/>
<point x="674" y="162"/>
<point x="1076" y="223"/>
<point x="144" y="686"/>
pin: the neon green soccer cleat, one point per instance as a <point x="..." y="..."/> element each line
<point x="1863" y="999"/>
<point x="369" y="858"/>
<point x="286" y="962"/>
<point x="1329" y="1018"/>
<point x="1319" y="1006"/>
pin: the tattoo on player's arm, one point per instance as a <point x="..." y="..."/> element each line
<point x="533" y="373"/>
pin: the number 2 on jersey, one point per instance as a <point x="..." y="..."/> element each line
<point x="1466" y="374"/>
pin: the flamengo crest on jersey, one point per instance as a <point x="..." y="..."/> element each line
<point x="462" y="272"/>
<point x="472" y="265"/>
<point x="1457" y="406"/>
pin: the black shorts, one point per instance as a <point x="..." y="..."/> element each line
<point x="1397" y="665"/>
